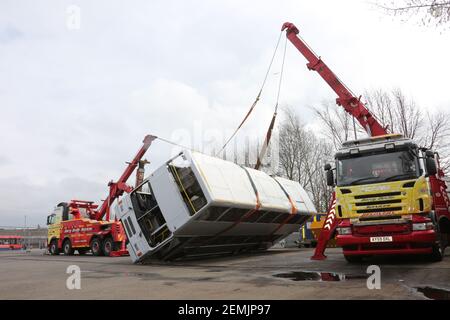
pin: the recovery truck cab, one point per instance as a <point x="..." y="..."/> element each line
<point x="71" y="229"/>
<point x="384" y="201"/>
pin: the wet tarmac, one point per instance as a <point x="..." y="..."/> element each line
<point x="275" y="274"/>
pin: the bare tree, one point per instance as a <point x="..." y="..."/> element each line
<point x="302" y="156"/>
<point x="395" y="112"/>
<point x="339" y="125"/>
<point x="426" y="12"/>
<point x="436" y="136"/>
<point x="398" y="114"/>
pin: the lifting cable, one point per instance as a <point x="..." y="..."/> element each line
<point x="272" y="122"/>
<point x="176" y="144"/>
<point x="256" y="100"/>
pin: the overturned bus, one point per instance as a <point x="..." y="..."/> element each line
<point x="196" y="205"/>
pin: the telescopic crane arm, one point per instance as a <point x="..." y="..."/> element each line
<point x="116" y="189"/>
<point x="346" y="99"/>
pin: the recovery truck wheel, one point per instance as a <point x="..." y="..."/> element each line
<point x="108" y="246"/>
<point x="96" y="247"/>
<point x="437" y="254"/>
<point x="439" y="247"/>
<point x="353" y="259"/>
<point x="67" y="248"/>
<point x="54" y="248"/>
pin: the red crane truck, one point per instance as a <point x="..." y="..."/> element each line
<point x="390" y="195"/>
<point x="79" y="225"/>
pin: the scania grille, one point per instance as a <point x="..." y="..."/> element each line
<point x="378" y="195"/>
<point x="379" y="202"/>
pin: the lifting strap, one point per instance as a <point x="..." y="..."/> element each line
<point x="256" y="99"/>
<point x="263" y="151"/>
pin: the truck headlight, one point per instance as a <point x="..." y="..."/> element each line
<point x="344" y="230"/>
<point x="422" y="226"/>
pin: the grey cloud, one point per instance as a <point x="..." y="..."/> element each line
<point x="9" y="34"/>
<point x="4" y="160"/>
<point x="22" y="197"/>
<point x="62" y="150"/>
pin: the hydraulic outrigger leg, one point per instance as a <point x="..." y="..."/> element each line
<point x="327" y="232"/>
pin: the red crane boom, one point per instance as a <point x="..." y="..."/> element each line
<point x="116" y="189"/>
<point x="346" y="99"/>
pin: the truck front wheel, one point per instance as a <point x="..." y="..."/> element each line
<point x="438" y="253"/>
<point x="96" y="247"/>
<point x="438" y="247"/>
<point x="54" y="248"/>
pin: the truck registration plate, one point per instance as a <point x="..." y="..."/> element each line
<point x="381" y="239"/>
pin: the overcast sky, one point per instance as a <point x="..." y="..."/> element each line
<point x="77" y="102"/>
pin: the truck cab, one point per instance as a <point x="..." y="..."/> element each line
<point x="383" y="198"/>
<point x="54" y="227"/>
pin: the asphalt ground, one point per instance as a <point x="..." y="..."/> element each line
<point x="275" y="274"/>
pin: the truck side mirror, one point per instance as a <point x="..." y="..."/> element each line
<point x="327" y="167"/>
<point x="330" y="178"/>
<point x="48" y="220"/>
<point x="431" y="166"/>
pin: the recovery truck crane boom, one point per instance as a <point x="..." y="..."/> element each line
<point x="78" y="225"/>
<point x="116" y="189"/>
<point x="346" y="98"/>
<point x="419" y="225"/>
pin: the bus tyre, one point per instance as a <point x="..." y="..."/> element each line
<point x="108" y="246"/>
<point x="67" y="248"/>
<point x="353" y="259"/>
<point x="96" y="247"/>
<point x="54" y="248"/>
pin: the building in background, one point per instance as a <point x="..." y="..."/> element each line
<point x="33" y="237"/>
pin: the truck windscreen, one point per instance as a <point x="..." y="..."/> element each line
<point x="377" y="167"/>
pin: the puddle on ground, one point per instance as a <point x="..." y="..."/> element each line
<point x="434" y="293"/>
<point x="318" y="276"/>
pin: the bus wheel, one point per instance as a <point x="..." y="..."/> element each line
<point x="96" y="247"/>
<point x="54" y="248"/>
<point x="108" y="246"/>
<point x="67" y="248"/>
